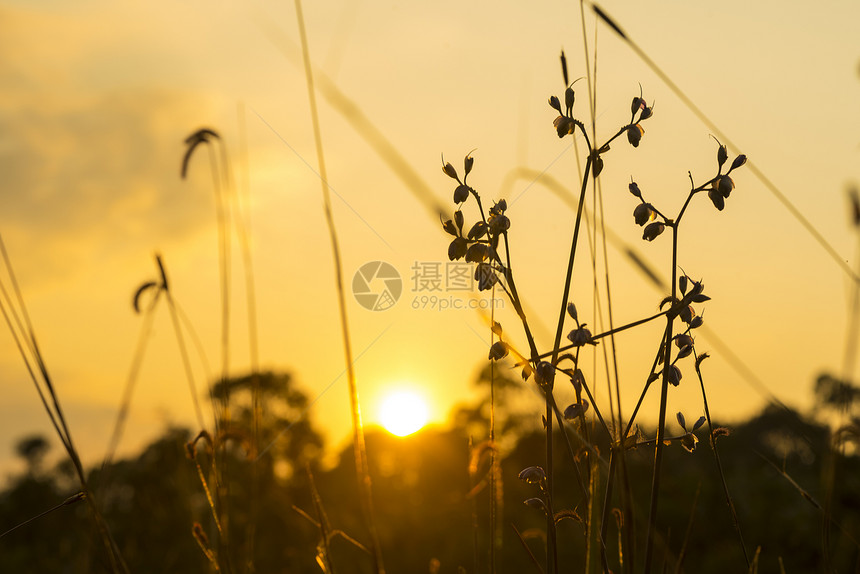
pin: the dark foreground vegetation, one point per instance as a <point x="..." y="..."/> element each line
<point x="431" y="498"/>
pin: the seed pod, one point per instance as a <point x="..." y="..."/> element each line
<point x="725" y="185"/>
<point x="477" y="253"/>
<point x="449" y="227"/>
<point x="563" y="126"/>
<point x="598" y="165"/>
<point x="643" y="213"/>
<point x="687" y="313"/>
<point x="689" y="442"/>
<point x="535" y="503"/>
<point x="717" y="199"/>
<point x="499" y="223"/>
<point x="653" y="230"/>
<point x="545" y="374"/>
<point x="498" y="351"/>
<point x="458" y="248"/>
<point x="477" y="231"/>
<point x="484" y="275"/>
<point x="580" y="337"/>
<point x="532" y="475"/>
<point x="674" y="375"/>
<point x="576" y="410"/>
<point x="461" y="194"/>
<point x="683" y="340"/>
<point x="634" y="134"/>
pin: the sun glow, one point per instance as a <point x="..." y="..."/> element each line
<point x="403" y="412"/>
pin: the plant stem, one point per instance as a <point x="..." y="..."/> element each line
<point x="362" y="467"/>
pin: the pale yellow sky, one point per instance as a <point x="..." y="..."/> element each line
<point x="98" y="99"/>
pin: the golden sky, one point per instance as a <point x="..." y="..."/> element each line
<point x="98" y="98"/>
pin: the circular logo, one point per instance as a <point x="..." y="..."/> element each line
<point x="377" y="286"/>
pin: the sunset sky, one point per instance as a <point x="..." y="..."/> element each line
<point x="98" y="98"/>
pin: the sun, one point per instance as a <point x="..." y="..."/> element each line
<point x="403" y="412"/>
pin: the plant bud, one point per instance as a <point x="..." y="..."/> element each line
<point x="577" y="380"/>
<point x="682" y="284"/>
<point x="501" y="206"/>
<point x="569" y="97"/>
<point x="634" y="189"/>
<point x="681" y="420"/>
<point x="468" y="163"/>
<point x="722" y="155"/>
<point x="696" y="322"/>
<point x="634" y="134"/>
<point x="555" y="104"/>
<point x="461" y="194"/>
<point x="636" y="105"/>
<point x="449" y="170"/>
<point x="499" y="350"/>
<point x="653" y="230"/>
<point x="459" y="220"/>
<point x="739" y="161"/>
<point x="674" y="375"/>
<point x="683" y="340"/>
<point x="450" y="228"/>
<point x="571" y="310"/>
<point x="646" y="113"/>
